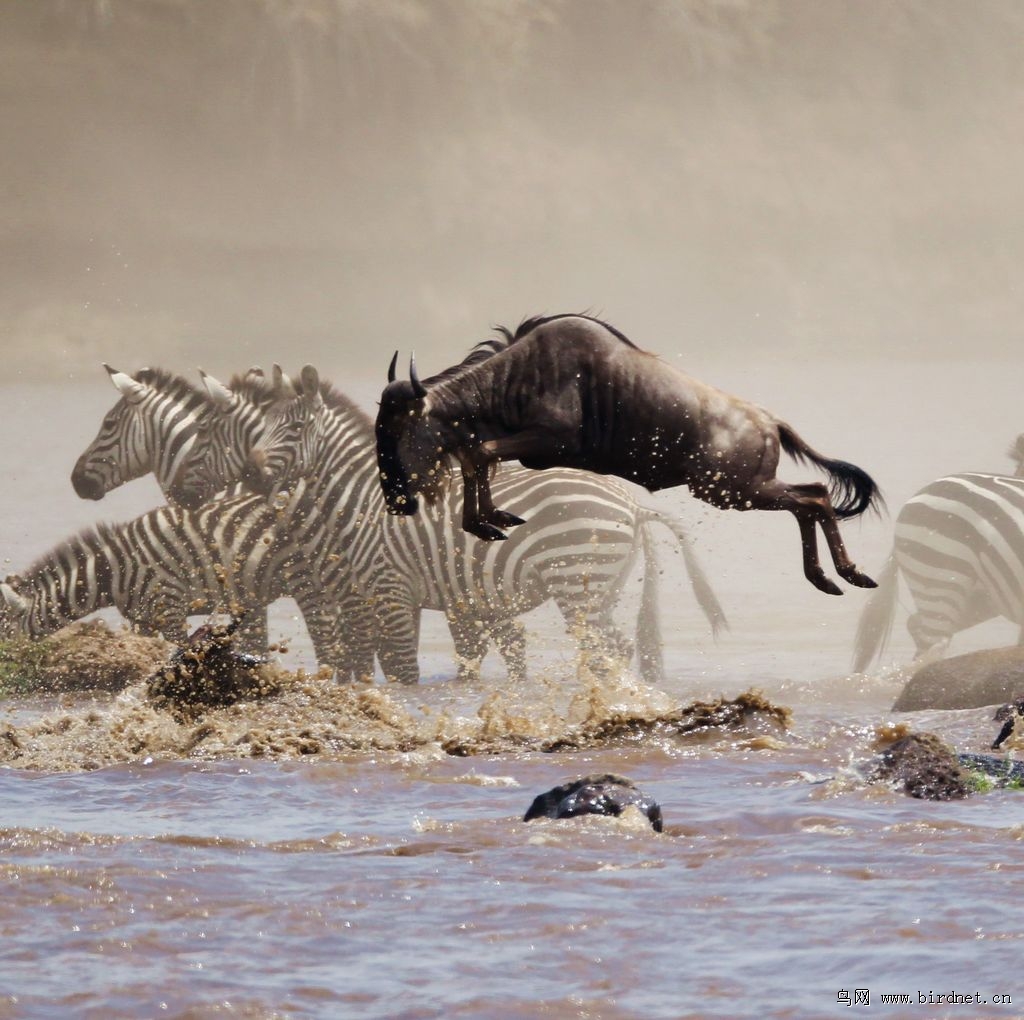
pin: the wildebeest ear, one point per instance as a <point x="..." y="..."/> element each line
<point x="310" y="379"/>
<point x="221" y="396"/>
<point x="129" y="388"/>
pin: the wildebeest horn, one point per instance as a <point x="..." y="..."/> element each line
<point x="417" y="387"/>
<point x="391" y="368"/>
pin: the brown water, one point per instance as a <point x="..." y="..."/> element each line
<point x="359" y="852"/>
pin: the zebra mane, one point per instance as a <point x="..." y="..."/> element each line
<point x="338" y="402"/>
<point x="91" y="536"/>
<point x="529" y="325"/>
<point x="253" y="387"/>
<point x="176" y="385"/>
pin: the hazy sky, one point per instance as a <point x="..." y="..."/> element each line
<point x="188" y="182"/>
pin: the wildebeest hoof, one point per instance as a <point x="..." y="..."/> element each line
<point x="488" y="532"/>
<point x="503" y="519"/>
<point x="855" y="577"/>
<point x="822" y="583"/>
<point x="605" y="794"/>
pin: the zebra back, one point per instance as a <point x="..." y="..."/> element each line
<point x="959" y="545"/>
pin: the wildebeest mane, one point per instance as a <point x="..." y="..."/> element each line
<point x="529" y="325"/>
<point x="480" y="352"/>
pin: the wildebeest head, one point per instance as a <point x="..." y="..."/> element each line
<point x="409" y="452"/>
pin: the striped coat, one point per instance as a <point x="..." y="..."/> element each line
<point x="959" y="546"/>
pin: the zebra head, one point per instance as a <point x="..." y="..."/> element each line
<point x="293" y="432"/>
<point x="151" y="428"/>
<point x="14" y="610"/>
<point x="227" y="434"/>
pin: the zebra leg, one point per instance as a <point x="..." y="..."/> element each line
<point x="251" y="636"/>
<point x="397" y="617"/>
<point x="471" y="641"/>
<point x="342" y="632"/>
<point x="510" y="637"/>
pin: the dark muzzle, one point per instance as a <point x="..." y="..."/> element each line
<point x="256" y="476"/>
<point x="398" y="499"/>
<point x="87" y="484"/>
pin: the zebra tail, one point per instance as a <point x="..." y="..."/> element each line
<point x="702" y="590"/>
<point x="852" y="490"/>
<point x="875" y="626"/>
<point x="649" y="652"/>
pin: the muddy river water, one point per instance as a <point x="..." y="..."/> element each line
<point x="340" y="852"/>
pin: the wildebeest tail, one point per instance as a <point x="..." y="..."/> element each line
<point x="851" y="489"/>
<point x="875" y="624"/>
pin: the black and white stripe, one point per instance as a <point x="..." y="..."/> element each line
<point x="583" y="535"/>
<point x="151" y="428"/>
<point x="959" y="546"/>
<point x="234" y="557"/>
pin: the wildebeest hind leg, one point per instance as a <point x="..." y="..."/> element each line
<point x="840" y="557"/>
<point x="812" y="566"/>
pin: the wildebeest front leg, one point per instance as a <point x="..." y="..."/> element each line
<point x="479" y="515"/>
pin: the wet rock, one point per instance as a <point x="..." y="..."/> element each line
<point x="605" y="794"/>
<point x="208" y="673"/>
<point x="85" y="656"/>
<point x="1001" y="771"/>
<point x="1008" y="716"/>
<point x="990" y="677"/>
<point x="923" y="766"/>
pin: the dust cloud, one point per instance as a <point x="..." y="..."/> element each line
<point x="222" y="184"/>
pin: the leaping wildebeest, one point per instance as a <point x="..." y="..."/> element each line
<point x="572" y="391"/>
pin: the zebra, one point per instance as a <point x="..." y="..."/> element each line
<point x="233" y="556"/>
<point x="959" y="544"/>
<point x="151" y="428"/>
<point x="577" y="549"/>
<point x="154" y="427"/>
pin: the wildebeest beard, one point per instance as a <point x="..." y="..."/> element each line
<point x="411" y="468"/>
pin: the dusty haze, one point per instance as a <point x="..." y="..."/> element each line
<point x="226" y="183"/>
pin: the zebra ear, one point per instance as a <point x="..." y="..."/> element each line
<point x="129" y="388"/>
<point x="221" y="396"/>
<point x="283" y="387"/>
<point x="12" y="601"/>
<point x="310" y="379"/>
